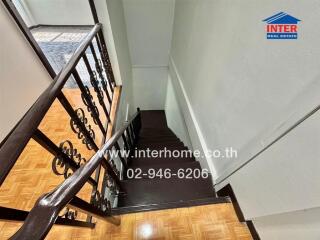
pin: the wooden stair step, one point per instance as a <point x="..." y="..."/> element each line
<point x="157" y="139"/>
<point x="171" y="205"/>
<point x="160" y="145"/>
<point x="141" y="162"/>
<point x="153" y="119"/>
<point x="156" y="134"/>
<point x="157" y="191"/>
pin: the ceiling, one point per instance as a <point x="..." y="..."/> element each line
<point x="149" y="30"/>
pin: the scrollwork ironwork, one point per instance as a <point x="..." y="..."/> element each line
<point x="95" y="83"/>
<point x="101" y="203"/>
<point x="107" y="64"/>
<point x="76" y="129"/>
<point x="114" y="167"/>
<point x="60" y="167"/>
<point x="69" y="214"/>
<point x="100" y="70"/>
<point x="92" y="109"/>
<point x="110" y="183"/>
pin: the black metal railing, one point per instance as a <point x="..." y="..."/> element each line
<point x="77" y="170"/>
<point x="46" y="211"/>
<point x="27" y="128"/>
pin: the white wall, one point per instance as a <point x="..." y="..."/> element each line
<point x="279" y="190"/>
<point x="149" y="27"/>
<point x="60" y="12"/>
<point x="237" y="89"/>
<point x="23" y="77"/>
<point x="111" y="14"/>
<point x="285" y="177"/>
<point x="294" y="226"/>
<point x="25" y="13"/>
<point x="149" y="87"/>
<point x="175" y="119"/>
<point x="238" y="82"/>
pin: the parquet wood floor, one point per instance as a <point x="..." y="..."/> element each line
<point x="32" y="176"/>
<point x="211" y="222"/>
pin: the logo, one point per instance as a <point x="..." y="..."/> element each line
<point x="282" y="26"/>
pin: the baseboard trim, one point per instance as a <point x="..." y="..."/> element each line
<point x="193" y="126"/>
<point x="227" y="191"/>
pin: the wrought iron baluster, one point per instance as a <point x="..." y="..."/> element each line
<point x="82" y="133"/>
<point x="114" y="167"/>
<point x="108" y="183"/>
<point x="95" y="84"/>
<point x="101" y="210"/>
<point x="130" y="136"/>
<point x="86" y="134"/>
<point x="88" y="101"/>
<point x="63" y="159"/>
<point x="69" y="214"/>
<point x="100" y="70"/>
<point x="130" y="144"/>
<point x="101" y="202"/>
<point x="106" y="63"/>
<point x="125" y="142"/>
<point x="67" y="148"/>
<point x="133" y="133"/>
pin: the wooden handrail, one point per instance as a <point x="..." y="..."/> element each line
<point x="119" y="133"/>
<point x="21" y="134"/>
<point x="47" y="208"/>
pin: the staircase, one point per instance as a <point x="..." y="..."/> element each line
<point x="145" y="191"/>
<point x="113" y="191"/>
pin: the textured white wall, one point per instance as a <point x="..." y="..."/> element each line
<point x="23" y="77"/>
<point x="149" y="26"/>
<point x="239" y="84"/>
<point x="149" y="87"/>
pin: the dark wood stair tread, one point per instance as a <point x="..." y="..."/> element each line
<point x="170" y="205"/>
<point x="140" y="162"/>
<point x="153" y="119"/>
<point x="160" y="145"/>
<point x="147" y="193"/>
<point x="156" y="191"/>
<point x="158" y="140"/>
